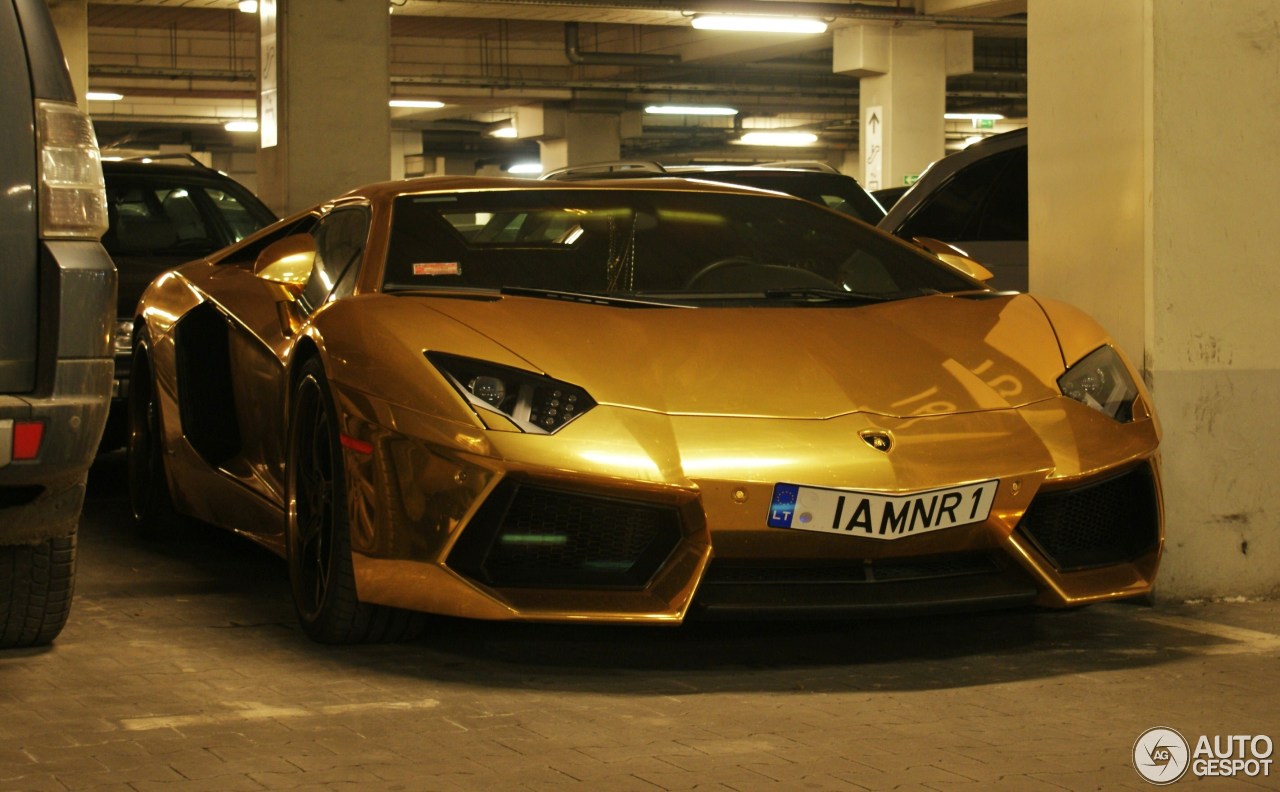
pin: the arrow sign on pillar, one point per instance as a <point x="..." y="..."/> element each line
<point x="873" y="173"/>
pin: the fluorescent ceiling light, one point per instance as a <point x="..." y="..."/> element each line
<point x="249" y="6"/>
<point x="526" y="168"/>
<point x="778" y="138"/>
<point x="759" y="23"/>
<point x="690" y="110"/>
<point x="241" y="125"/>
<point x="103" y="96"/>
<point x="973" y="116"/>
<point x="419" y="103"/>
<point x="507" y="131"/>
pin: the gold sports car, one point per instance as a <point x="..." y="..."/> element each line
<point x="632" y="402"/>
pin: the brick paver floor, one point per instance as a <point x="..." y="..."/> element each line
<point x="182" y="669"/>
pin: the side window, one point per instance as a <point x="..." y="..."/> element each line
<point x="188" y="224"/>
<point x="340" y="240"/>
<point x="237" y="217"/>
<point x="148" y="220"/>
<point x="954" y="211"/>
<point x="1004" y="216"/>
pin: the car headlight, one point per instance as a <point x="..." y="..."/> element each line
<point x="534" y="402"/>
<point x="1101" y="381"/>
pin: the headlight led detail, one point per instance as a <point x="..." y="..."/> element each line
<point x="1101" y="381"/>
<point x="536" y="403"/>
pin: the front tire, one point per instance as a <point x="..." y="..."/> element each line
<point x="318" y="535"/>
<point x="149" y="497"/>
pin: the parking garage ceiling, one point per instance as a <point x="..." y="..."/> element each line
<point x="185" y="67"/>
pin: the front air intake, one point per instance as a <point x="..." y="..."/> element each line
<point x="528" y="536"/>
<point x="1110" y="522"/>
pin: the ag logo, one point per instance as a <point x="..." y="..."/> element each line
<point x="1160" y="755"/>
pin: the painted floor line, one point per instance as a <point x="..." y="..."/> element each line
<point x="255" y="711"/>
<point x="1242" y="640"/>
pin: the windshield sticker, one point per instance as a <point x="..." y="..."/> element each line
<point x="437" y="268"/>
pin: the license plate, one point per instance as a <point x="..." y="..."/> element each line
<point x="876" y="515"/>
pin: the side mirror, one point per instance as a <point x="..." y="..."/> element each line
<point x="287" y="261"/>
<point x="955" y="257"/>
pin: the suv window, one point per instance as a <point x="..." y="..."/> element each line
<point x="986" y="201"/>
<point x="157" y="216"/>
<point x="238" y="217"/>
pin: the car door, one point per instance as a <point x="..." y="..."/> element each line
<point x="245" y="382"/>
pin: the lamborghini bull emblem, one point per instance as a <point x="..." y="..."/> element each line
<point x="880" y="441"/>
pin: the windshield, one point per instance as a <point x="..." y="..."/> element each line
<point x="833" y="191"/>
<point x="676" y="245"/>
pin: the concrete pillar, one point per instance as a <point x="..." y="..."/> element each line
<point x="453" y="165"/>
<point x="902" y="94"/>
<point x="406" y="154"/>
<point x="567" y="137"/>
<point x="1152" y="130"/>
<point x="324" y="84"/>
<point x="71" y="20"/>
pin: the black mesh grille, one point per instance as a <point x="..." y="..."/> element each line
<point x="1111" y="522"/>
<point x="534" y="537"/>
<point x="861" y="588"/>
<point x="727" y="571"/>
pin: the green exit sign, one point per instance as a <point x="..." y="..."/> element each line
<point x="985" y="123"/>
<point x="910" y="179"/>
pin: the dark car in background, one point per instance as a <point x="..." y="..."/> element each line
<point x="56" y="306"/>
<point x="165" y="211"/>
<point x="976" y="200"/>
<point x="816" y="182"/>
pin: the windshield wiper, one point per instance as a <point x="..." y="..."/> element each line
<point x="457" y="292"/>
<point x="834" y="295"/>
<point x="590" y="299"/>
<point x="840" y="295"/>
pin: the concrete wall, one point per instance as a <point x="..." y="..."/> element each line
<point x="1153" y="148"/>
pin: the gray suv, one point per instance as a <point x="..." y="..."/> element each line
<point x="57" y="301"/>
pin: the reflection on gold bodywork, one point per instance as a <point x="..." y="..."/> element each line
<point x="698" y="413"/>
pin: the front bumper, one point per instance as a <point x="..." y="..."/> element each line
<point x="502" y="525"/>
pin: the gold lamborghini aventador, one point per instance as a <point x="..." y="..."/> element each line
<point x="631" y="402"/>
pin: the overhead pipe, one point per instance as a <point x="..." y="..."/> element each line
<point x="579" y="58"/>
<point x="817" y="8"/>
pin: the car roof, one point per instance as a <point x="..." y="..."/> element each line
<point x="185" y="167"/>
<point x="651" y="169"/>
<point x="983" y="148"/>
<point x="427" y="184"/>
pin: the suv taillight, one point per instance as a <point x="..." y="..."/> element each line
<point x="73" y="199"/>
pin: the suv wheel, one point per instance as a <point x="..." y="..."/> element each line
<point x="36" y="583"/>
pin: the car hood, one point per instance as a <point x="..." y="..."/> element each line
<point x="925" y="356"/>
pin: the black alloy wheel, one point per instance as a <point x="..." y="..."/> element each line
<point x="318" y="537"/>
<point x="149" y="498"/>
